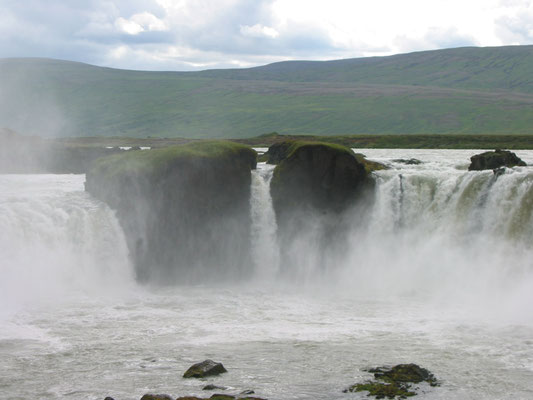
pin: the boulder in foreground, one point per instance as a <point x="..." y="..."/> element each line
<point x="395" y="382"/>
<point x="495" y="159"/>
<point x="204" y="368"/>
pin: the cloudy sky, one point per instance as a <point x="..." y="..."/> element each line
<point x="202" y="34"/>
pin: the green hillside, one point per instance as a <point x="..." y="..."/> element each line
<point x="460" y="91"/>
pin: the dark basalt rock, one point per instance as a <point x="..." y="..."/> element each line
<point x="176" y="206"/>
<point x="278" y="152"/>
<point x="317" y="175"/>
<point x="157" y="397"/>
<point x="495" y="159"/>
<point x="394" y="382"/>
<point x="204" y="368"/>
<point x="404" y="373"/>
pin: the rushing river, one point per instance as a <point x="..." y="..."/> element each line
<point x="438" y="271"/>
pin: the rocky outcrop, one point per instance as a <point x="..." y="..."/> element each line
<point x="279" y="151"/>
<point x="495" y="159"/>
<point x="184" y="209"/>
<point x="204" y="368"/>
<point x="313" y="186"/>
<point x="320" y="176"/>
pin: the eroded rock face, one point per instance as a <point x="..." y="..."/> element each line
<point x="316" y="175"/>
<point x="176" y="207"/>
<point x="495" y="159"/>
<point x="204" y="368"/>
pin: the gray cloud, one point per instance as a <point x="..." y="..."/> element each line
<point x="95" y="31"/>
<point x="197" y="34"/>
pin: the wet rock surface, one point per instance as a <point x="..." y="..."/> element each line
<point x="204" y="368"/>
<point x="156" y="397"/>
<point x="213" y="387"/>
<point x="495" y="159"/>
<point x="395" y="382"/>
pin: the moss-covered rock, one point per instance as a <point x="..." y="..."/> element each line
<point x="382" y="390"/>
<point x="404" y="373"/>
<point x="495" y="159"/>
<point x="177" y="205"/>
<point x="322" y="176"/>
<point x="394" y="382"/>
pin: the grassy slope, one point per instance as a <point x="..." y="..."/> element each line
<point x="472" y="91"/>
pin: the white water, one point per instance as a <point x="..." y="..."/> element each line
<point x="437" y="273"/>
<point x="265" y="249"/>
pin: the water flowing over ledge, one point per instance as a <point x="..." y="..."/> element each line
<point x="435" y="268"/>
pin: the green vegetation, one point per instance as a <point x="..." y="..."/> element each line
<point x="467" y="91"/>
<point x="394" y="382"/>
<point x="406" y="141"/>
<point x="381" y="390"/>
<point x="157" y="162"/>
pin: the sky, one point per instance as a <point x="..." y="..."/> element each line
<point x="181" y="35"/>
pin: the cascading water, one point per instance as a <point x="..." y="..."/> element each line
<point x="265" y="251"/>
<point x="435" y="270"/>
<point x="56" y="241"/>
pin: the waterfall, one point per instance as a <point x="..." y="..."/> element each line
<point x="56" y="241"/>
<point x="433" y="230"/>
<point x="265" y="251"/>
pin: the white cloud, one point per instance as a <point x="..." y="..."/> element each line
<point x="142" y="22"/>
<point x="259" y="30"/>
<point x="175" y="34"/>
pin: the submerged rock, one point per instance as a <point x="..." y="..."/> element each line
<point x="382" y="390"/>
<point x="408" y="161"/>
<point x="394" y="382"/>
<point x="204" y="368"/>
<point x="219" y="396"/>
<point x="157" y="397"/>
<point x="214" y="387"/>
<point x="495" y="159"/>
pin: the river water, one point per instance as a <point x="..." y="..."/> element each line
<point x="437" y="270"/>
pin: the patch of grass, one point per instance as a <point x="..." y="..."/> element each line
<point x="469" y="91"/>
<point x="159" y="161"/>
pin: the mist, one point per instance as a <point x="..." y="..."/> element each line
<point x="431" y="265"/>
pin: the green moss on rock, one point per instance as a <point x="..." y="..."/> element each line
<point x="383" y="390"/>
<point x="394" y="382"/>
<point x="319" y="175"/>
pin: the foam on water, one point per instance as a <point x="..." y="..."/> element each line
<point x="436" y="270"/>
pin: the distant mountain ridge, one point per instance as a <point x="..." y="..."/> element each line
<point x="464" y="90"/>
<point x="507" y="68"/>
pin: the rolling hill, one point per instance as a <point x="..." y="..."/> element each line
<point x="460" y="91"/>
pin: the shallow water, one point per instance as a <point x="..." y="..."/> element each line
<point x="443" y="280"/>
